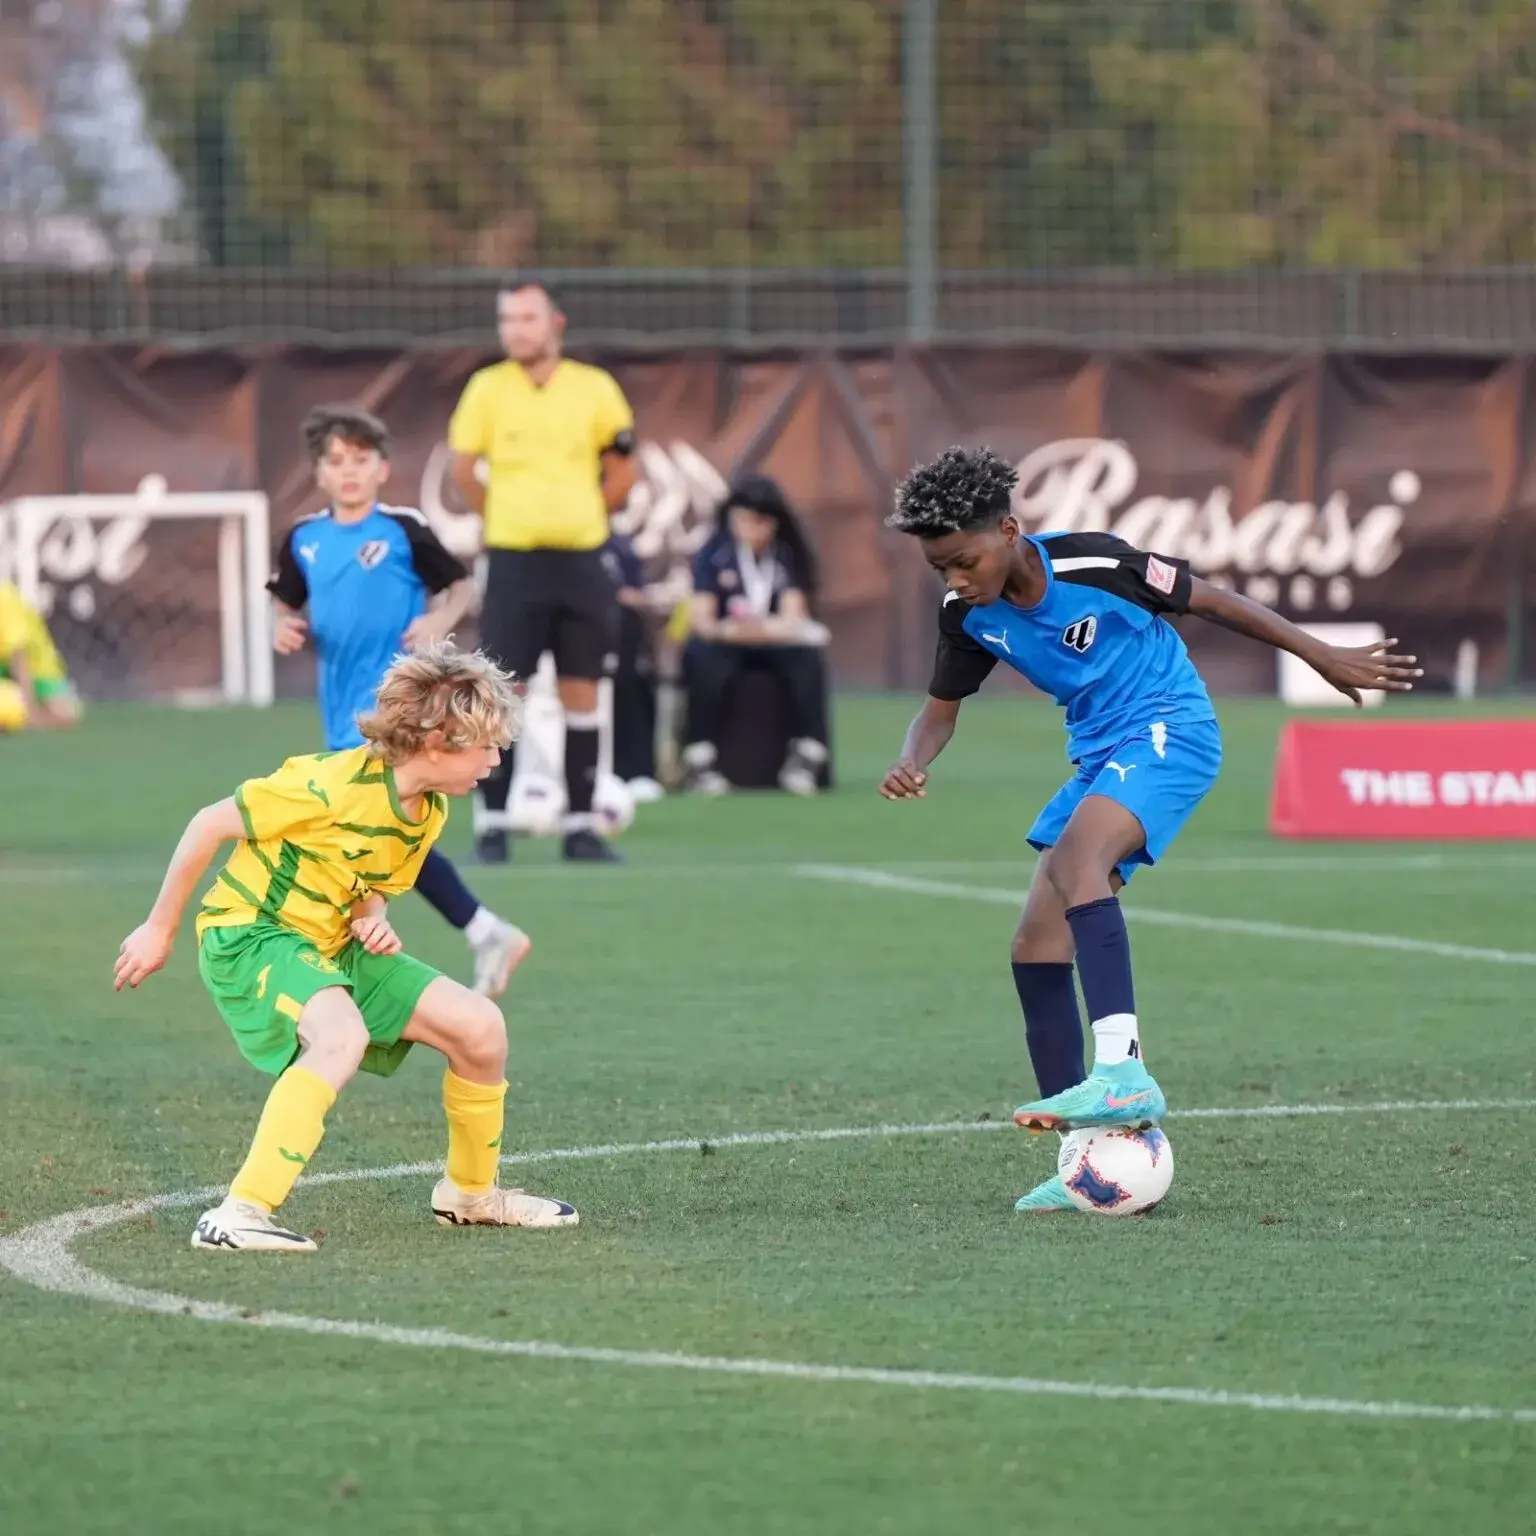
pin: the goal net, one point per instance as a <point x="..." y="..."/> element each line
<point x="152" y="595"/>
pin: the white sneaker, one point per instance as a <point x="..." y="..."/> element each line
<point x="701" y="776"/>
<point x="646" y="791"/>
<point x="799" y="774"/>
<point x="797" y="779"/>
<point x="239" y="1225"/>
<point x="496" y="956"/>
<point x="498" y="1207"/>
<point x="708" y="782"/>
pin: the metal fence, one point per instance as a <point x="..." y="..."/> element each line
<point x="1478" y="313"/>
<point x="1175" y="172"/>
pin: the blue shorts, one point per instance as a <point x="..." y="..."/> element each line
<point x="1159" y="775"/>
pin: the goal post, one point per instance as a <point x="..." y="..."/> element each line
<point x="153" y="594"/>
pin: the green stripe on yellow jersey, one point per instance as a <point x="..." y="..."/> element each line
<point x="339" y="818"/>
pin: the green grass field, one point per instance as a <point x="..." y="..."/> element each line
<point x="711" y="987"/>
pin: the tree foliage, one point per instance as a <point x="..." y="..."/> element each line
<point x="1177" y="133"/>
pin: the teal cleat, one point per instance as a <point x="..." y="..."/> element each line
<point x="1045" y="1198"/>
<point x="1125" y="1094"/>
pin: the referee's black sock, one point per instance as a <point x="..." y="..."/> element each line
<point x="580" y="768"/>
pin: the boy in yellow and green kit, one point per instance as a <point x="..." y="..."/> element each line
<point x="301" y="961"/>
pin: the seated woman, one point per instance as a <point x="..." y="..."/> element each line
<point x="752" y="584"/>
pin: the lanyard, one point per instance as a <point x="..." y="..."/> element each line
<point x="758" y="579"/>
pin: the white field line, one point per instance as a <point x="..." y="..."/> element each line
<point x="1302" y="864"/>
<point x="881" y="880"/>
<point x="40" y="1256"/>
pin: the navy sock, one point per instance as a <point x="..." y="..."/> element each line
<point x="440" y="884"/>
<point x="1053" y="1027"/>
<point x="1103" y="957"/>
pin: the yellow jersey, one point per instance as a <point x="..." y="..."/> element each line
<point x="322" y="833"/>
<point x="23" y="632"/>
<point x="543" y="447"/>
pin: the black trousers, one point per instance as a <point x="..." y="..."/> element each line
<point x="710" y="668"/>
<point x="634" y="701"/>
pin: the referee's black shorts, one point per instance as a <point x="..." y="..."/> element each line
<point x="560" y="600"/>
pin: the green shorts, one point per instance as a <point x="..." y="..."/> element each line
<point x="260" y="977"/>
<point x="44" y="689"/>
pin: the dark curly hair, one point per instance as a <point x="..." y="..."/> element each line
<point x="763" y="495"/>
<point x="351" y="423"/>
<point x="962" y="489"/>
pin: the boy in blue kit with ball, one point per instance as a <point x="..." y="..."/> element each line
<point x="1083" y="616"/>
<point x="376" y="581"/>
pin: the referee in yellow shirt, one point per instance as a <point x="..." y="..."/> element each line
<point x="558" y="439"/>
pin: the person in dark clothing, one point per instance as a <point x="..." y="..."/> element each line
<point x="753" y="583"/>
<point x="634" y="677"/>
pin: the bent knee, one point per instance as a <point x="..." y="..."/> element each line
<point x="339" y="1040"/>
<point x="1076" y="875"/>
<point x="483" y="1031"/>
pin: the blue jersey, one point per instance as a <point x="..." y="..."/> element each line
<point x="1097" y="642"/>
<point x="363" y="583"/>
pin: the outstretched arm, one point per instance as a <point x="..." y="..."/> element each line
<point x="1348" y="668"/>
<point x="927" y="736"/>
<point x="148" y="947"/>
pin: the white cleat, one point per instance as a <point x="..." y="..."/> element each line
<point x="797" y="779"/>
<point x="239" y="1226"/>
<point x="497" y="956"/>
<point x="498" y="1207"/>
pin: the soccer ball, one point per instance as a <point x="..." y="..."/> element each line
<point x="613" y="804"/>
<point x="1115" y="1172"/>
<point x="536" y="804"/>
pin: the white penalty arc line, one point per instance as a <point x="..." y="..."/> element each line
<point x="883" y="880"/>
<point x="40" y="1256"/>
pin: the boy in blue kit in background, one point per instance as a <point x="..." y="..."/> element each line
<point x="377" y="581"/>
<point x="1082" y="616"/>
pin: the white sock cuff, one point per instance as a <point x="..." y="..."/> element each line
<point x="1113" y="1037"/>
<point x="482" y="926"/>
<point x="484" y="819"/>
<point x="592" y="720"/>
<point x="578" y="821"/>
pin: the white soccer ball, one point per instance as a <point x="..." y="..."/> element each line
<point x="1116" y="1172"/>
<point x="613" y="804"/>
<point x="536" y="804"/>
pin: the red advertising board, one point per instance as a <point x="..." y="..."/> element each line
<point x="1443" y="779"/>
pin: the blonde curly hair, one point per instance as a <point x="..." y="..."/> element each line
<point x="463" y="695"/>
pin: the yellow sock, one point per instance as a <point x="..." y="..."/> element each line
<point x="291" y="1127"/>
<point x="475" y="1114"/>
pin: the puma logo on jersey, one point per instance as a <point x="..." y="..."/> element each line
<point x="1081" y="635"/>
<point x="1121" y="771"/>
<point x="1000" y="641"/>
<point x="309" y="553"/>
